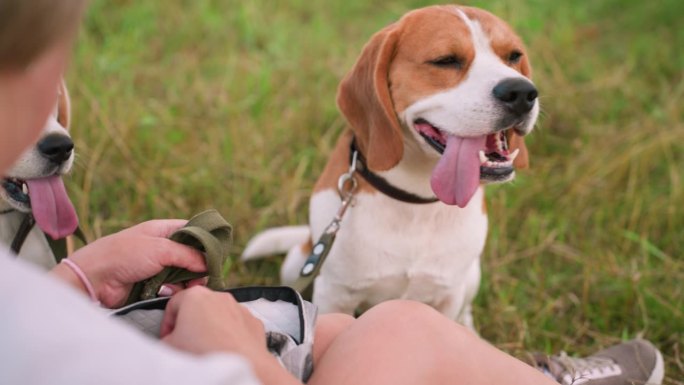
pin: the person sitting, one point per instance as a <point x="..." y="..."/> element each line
<point x="52" y="334"/>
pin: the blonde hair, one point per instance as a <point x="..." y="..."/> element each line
<point x="30" y="27"/>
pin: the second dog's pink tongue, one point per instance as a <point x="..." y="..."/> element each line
<point x="457" y="175"/>
<point x="51" y="207"/>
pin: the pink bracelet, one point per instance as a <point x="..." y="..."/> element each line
<point x="81" y="275"/>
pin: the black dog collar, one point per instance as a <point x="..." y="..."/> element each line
<point x="381" y="184"/>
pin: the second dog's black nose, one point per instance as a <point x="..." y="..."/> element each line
<point x="517" y="94"/>
<point x="56" y="147"/>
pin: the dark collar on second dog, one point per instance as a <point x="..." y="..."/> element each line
<point x="381" y="184"/>
<point x="57" y="246"/>
<point x="22" y="233"/>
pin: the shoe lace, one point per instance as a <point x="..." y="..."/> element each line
<point x="578" y="371"/>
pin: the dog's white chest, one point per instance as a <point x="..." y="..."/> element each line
<point x="388" y="249"/>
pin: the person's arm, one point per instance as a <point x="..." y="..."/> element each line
<point x="114" y="263"/>
<point x="51" y="335"/>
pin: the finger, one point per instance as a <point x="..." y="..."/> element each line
<point x="175" y="254"/>
<point x="169" y="289"/>
<point x="159" y="227"/>
<point x="197" y="282"/>
<point x="170" y="315"/>
<point x="183" y="299"/>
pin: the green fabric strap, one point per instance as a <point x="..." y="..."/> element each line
<point x="207" y="232"/>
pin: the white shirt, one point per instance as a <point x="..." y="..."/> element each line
<point x="50" y="334"/>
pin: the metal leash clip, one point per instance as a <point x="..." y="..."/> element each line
<point x="347" y="184"/>
<point x="346" y="187"/>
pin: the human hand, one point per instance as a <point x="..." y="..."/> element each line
<point x="201" y="321"/>
<point x="115" y="262"/>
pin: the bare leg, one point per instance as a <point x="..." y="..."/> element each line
<point x="404" y="342"/>
<point x="328" y="327"/>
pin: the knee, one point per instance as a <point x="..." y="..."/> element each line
<point x="335" y="322"/>
<point x="328" y="328"/>
<point x="433" y="339"/>
<point x="404" y="311"/>
<point x="423" y="322"/>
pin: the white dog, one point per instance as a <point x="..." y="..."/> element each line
<point x="33" y="191"/>
<point x="437" y="105"/>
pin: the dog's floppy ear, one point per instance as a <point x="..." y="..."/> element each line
<point x="364" y="99"/>
<point x="517" y="142"/>
<point x="63" y="105"/>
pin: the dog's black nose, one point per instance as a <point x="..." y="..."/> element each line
<point x="518" y="95"/>
<point x="56" y="147"/>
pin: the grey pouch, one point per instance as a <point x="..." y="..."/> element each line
<point x="288" y="321"/>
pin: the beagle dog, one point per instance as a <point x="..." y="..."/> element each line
<point x="437" y="106"/>
<point x="34" y="186"/>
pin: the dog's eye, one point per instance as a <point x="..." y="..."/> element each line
<point x="447" y="61"/>
<point x="514" y="57"/>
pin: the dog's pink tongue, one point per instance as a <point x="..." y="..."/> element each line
<point x="457" y="175"/>
<point x="51" y="207"/>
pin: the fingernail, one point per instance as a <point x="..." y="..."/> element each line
<point x="164" y="291"/>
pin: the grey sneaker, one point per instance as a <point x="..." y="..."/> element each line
<point x="635" y="362"/>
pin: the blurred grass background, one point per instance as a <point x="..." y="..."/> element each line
<point x="184" y="105"/>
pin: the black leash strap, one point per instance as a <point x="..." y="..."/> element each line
<point x="58" y="247"/>
<point x="24" y="229"/>
<point x="313" y="264"/>
<point x="382" y="185"/>
<point x="346" y="185"/>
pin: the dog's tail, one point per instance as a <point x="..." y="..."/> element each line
<point x="277" y="240"/>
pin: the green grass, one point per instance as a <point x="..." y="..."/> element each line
<point x="184" y="105"/>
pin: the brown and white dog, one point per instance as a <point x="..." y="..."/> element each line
<point x="437" y="105"/>
<point x="34" y="185"/>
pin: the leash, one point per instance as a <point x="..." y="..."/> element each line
<point x="59" y="247"/>
<point x="207" y="232"/>
<point x="382" y="185"/>
<point x="346" y="186"/>
<point x="22" y="233"/>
